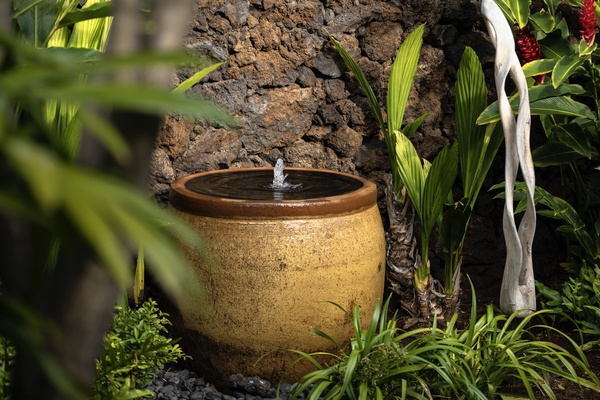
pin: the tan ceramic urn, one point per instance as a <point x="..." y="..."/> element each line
<point x="279" y="259"/>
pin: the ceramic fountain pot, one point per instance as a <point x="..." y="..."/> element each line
<point x="279" y="259"/>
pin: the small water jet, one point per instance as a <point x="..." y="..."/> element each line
<point x="279" y="176"/>
<point x="285" y="245"/>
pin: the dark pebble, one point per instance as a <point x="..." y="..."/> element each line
<point x="166" y="389"/>
<point x="183" y="375"/>
<point x="187" y="385"/>
<point x="168" y="375"/>
<point x="214" y="395"/>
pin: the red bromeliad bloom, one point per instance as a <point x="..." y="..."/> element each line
<point x="588" y="21"/>
<point x="529" y="48"/>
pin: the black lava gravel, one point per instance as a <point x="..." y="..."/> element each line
<point x="186" y="385"/>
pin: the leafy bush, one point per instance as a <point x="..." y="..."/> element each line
<point x="386" y="363"/>
<point x="579" y="299"/>
<point x="134" y="349"/>
<point x="7" y="354"/>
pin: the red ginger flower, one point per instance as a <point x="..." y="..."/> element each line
<point x="529" y="48"/>
<point x="588" y="21"/>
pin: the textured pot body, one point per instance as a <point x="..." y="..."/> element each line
<point x="270" y="279"/>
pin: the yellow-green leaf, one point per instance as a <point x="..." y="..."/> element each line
<point x="564" y="68"/>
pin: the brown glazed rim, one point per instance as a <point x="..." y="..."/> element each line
<point x="184" y="199"/>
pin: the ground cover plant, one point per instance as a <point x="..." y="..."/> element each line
<point x="6" y="360"/>
<point x="135" y="348"/>
<point x="477" y="362"/>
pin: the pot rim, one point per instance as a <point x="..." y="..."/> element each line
<point x="191" y="202"/>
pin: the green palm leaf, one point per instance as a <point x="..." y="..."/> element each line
<point x="471" y="100"/>
<point x="197" y="77"/>
<point x="361" y="79"/>
<point x="410" y="170"/>
<point x="401" y="78"/>
<point x="438" y="185"/>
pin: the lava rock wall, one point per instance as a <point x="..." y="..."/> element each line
<point x="292" y="93"/>
<point x="296" y="100"/>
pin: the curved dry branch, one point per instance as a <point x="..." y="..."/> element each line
<point x="518" y="287"/>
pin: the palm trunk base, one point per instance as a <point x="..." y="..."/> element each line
<point x="403" y="260"/>
<point x="452" y="300"/>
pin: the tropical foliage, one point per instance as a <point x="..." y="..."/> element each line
<point x="562" y="63"/>
<point x="429" y="184"/>
<point x="568" y="107"/>
<point x="477" y="148"/>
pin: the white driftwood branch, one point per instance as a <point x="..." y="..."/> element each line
<point x="518" y="288"/>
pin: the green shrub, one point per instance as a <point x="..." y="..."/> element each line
<point x="7" y="354"/>
<point x="383" y="362"/>
<point x="134" y="349"/>
<point x="579" y="299"/>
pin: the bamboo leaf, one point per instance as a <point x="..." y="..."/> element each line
<point x="40" y="170"/>
<point x="75" y="54"/>
<point x="141" y="99"/>
<point x="138" y="285"/>
<point x="106" y="133"/>
<point x="80" y="203"/>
